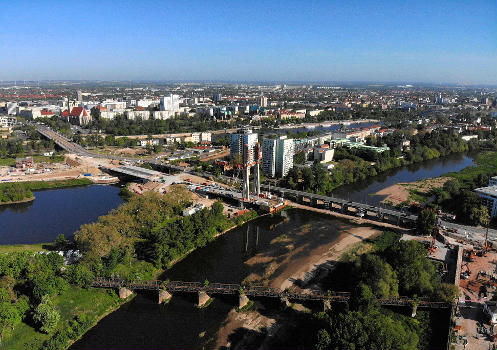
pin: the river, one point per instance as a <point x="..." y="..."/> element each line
<point x="54" y="212"/>
<point x="362" y="191"/>
<point x="178" y="325"/>
<point x="229" y="259"/>
<point x="141" y="323"/>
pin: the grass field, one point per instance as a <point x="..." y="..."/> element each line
<point x="22" y="248"/>
<point x="93" y="302"/>
<point x="58" y="158"/>
<point x="486" y="165"/>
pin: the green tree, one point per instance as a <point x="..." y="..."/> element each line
<point x="427" y="220"/>
<point x="9" y="317"/>
<point x="46" y="315"/>
<point x="446" y="292"/>
<point x="378" y="275"/>
<point x="61" y="242"/>
<point x="79" y="275"/>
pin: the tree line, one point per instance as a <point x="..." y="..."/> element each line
<point x="356" y="165"/>
<point x="391" y="269"/>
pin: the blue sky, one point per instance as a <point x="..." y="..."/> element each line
<point x="390" y="40"/>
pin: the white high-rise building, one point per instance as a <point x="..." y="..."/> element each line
<point x="237" y="143"/>
<point x="262" y="101"/>
<point x="169" y="103"/>
<point x="12" y="108"/>
<point x="244" y="151"/>
<point x="277" y="156"/>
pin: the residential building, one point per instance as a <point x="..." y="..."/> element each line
<point x="217" y="98"/>
<point x="169" y="103"/>
<point x="324" y="154"/>
<point x="277" y="156"/>
<point x="237" y="144"/>
<point x="201" y="137"/>
<point x="488" y="196"/>
<point x="7" y="121"/>
<point x="262" y="101"/>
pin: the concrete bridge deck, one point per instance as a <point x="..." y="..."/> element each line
<point x="343" y="204"/>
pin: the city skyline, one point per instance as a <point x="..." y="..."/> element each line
<point x="361" y="41"/>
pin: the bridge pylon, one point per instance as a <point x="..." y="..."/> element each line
<point x="124" y="292"/>
<point x="164" y="296"/>
<point x="203" y="298"/>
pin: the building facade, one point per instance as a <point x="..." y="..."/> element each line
<point x="277" y="156"/>
<point x="237" y="143"/>
<point x="169" y="103"/>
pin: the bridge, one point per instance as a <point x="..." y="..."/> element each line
<point x="134" y="171"/>
<point x="62" y="141"/>
<point x="203" y="290"/>
<point x="344" y="206"/>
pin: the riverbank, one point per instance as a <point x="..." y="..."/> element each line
<point x="407" y="193"/>
<point x="13" y="248"/>
<point x="30" y="199"/>
<point x="298" y="258"/>
<point x="20" y="192"/>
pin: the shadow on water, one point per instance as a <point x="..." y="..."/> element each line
<point x="144" y="324"/>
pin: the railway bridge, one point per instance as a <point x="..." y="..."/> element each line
<point x="203" y="291"/>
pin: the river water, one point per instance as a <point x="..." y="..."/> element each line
<point x="142" y="324"/>
<point x="361" y="191"/>
<point x="54" y="212"/>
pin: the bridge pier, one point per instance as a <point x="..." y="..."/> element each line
<point x="326" y="305"/>
<point x="414" y="309"/>
<point x="124" y="292"/>
<point x="284" y="302"/>
<point x="243" y="300"/>
<point x="203" y="298"/>
<point x="164" y="296"/>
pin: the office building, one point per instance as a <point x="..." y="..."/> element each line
<point x="277" y="156"/>
<point x="12" y="108"/>
<point x="80" y="95"/>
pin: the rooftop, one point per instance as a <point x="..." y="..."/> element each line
<point x="489" y="191"/>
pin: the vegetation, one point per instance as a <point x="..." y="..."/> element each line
<point x="120" y="125"/>
<point x="149" y="228"/>
<point x="19" y="191"/>
<point x="390" y="268"/>
<point x="457" y="196"/>
<point x="357" y="165"/>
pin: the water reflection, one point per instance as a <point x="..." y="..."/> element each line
<point x="54" y="212"/>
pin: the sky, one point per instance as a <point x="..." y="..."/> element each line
<point x="434" y="41"/>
